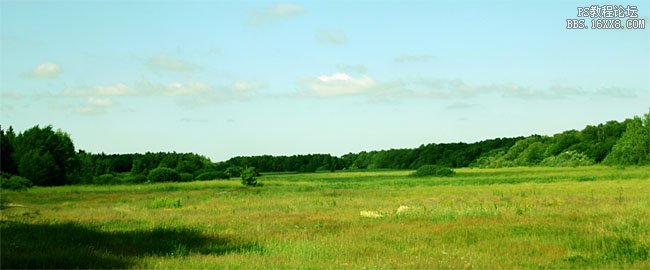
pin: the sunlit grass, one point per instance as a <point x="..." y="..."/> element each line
<point x="595" y="217"/>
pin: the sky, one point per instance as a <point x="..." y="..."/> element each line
<point x="232" y="78"/>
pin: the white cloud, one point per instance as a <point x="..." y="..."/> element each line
<point x="335" y="77"/>
<point x="332" y="37"/>
<point x="339" y="84"/>
<point x="617" y="92"/>
<point x="342" y="84"/>
<point x="75" y="92"/>
<point x="46" y="70"/>
<point x="118" y="89"/>
<point x="195" y="93"/>
<point x="245" y="86"/>
<point x="95" y="105"/>
<point x="168" y="63"/>
<point x="186" y="89"/>
<point x="275" y="13"/>
<point x="99" y="102"/>
<point x="85" y="110"/>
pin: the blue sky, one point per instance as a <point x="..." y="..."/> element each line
<point x="227" y="78"/>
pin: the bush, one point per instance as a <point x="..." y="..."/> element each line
<point x="104" y="179"/>
<point x="138" y="178"/>
<point x="249" y="177"/>
<point x="568" y="158"/>
<point x="234" y="171"/>
<point x="433" y="170"/>
<point x="186" y="177"/>
<point x="163" y="174"/>
<point x="212" y="175"/>
<point x="14" y="182"/>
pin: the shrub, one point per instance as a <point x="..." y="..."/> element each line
<point x="104" y="179"/>
<point x="568" y="158"/>
<point x="234" y="171"/>
<point x="15" y="182"/>
<point x="138" y="178"/>
<point x="433" y="170"/>
<point x="249" y="177"/>
<point x="186" y="177"/>
<point x="163" y="174"/>
<point x="212" y="175"/>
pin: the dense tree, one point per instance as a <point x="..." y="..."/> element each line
<point x="562" y="141"/>
<point x="234" y="171"/>
<point x="633" y="148"/>
<point x="45" y="156"/>
<point x="7" y="164"/>
<point x="163" y="174"/>
<point x="597" y="141"/>
<point x="40" y="168"/>
<point x="296" y="163"/>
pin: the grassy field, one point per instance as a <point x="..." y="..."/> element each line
<point x="585" y="217"/>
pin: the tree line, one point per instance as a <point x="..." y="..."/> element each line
<point x="44" y="156"/>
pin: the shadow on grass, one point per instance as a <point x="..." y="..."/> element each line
<point x="70" y="245"/>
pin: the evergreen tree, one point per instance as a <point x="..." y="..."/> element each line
<point x="7" y="164"/>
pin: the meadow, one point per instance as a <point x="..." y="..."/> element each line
<point x="526" y="217"/>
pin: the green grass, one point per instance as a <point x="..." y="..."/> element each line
<point x="584" y="217"/>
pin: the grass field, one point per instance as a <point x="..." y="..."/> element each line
<point x="585" y="217"/>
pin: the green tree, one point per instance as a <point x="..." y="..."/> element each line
<point x="40" y="168"/>
<point x="163" y="174"/>
<point x="633" y="148"/>
<point x="46" y="157"/>
<point x="249" y="176"/>
<point x="7" y="164"/>
<point x="234" y="171"/>
<point x="532" y="155"/>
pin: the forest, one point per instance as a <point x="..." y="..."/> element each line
<point x="44" y="156"/>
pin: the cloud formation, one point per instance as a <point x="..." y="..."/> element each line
<point x="341" y="84"/>
<point x="100" y="102"/>
<point x="243" y="86"/>
<point x="192" y="93"/>
<point x="186" y="89"/>
<point x="168" y="63"/>
<point x="118" y="89"/>
<point x="338" y="84"/>
<point x="332" y="37"/>
<point x="275" y="13"/>
<point x="46" y="70"/>
<point x="95" y="105"/>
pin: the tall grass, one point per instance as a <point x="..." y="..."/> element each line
<point x="585" y="217"/>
